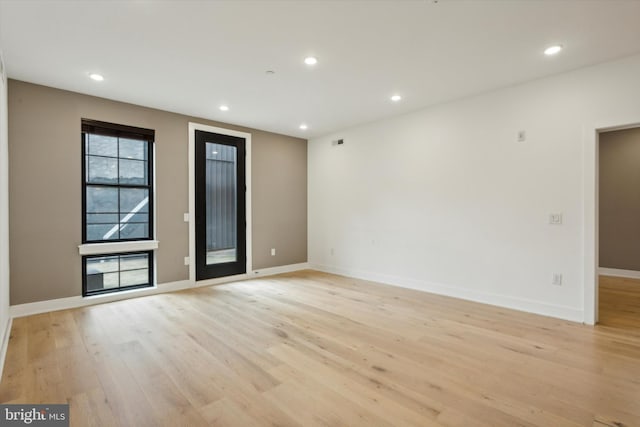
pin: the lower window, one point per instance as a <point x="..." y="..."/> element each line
<point x="116" y="272"/>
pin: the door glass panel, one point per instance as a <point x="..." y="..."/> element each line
<point x="221" y="203"/>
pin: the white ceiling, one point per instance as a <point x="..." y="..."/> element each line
<point x="192" y="56"/>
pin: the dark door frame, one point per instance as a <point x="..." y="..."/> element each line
<point x="191" y="217"/>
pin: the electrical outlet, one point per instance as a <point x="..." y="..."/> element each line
<point x="186" y="260"/>
<point x="557" y="279"/>
<point x="273" y="251"/>
<point x="522" y="136"/>
<point x="186" y="217"/>
<point x="555" y="219"/>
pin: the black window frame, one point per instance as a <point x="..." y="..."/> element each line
<point x="120" y="131"/>
<point x="149" y="284"/>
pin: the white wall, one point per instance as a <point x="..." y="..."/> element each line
<point x="4" y="219"/>
<point x="446" y="200"/>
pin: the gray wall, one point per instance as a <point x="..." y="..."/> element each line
<point x="45" y="189"/>
<point x="620" y="199"/>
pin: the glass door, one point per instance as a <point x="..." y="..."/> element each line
<point x="220" y="205"/>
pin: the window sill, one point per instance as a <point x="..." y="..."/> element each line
<point x="117" y="247"/>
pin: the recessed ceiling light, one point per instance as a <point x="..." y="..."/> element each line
<point x="304" y="126"/>
<point x="396" y="98"/>
<point x="214" y="153"/>
<point x="224" y="108"/>
<point x="311" y="60"/>
<point x="97" y="77"/>
<point x="552" y="50"/>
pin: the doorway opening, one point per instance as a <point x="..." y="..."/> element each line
<point x="619" y="228"/>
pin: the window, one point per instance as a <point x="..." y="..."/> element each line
<point x="117" y="205"/>
<point x="116" y="272"/>
<point x="117" y="182"/>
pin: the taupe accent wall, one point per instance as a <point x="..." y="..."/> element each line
<point x="620" y="199"/>
<point x="45" y="189"/>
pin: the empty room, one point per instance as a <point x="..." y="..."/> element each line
<point x="320" y="213"/>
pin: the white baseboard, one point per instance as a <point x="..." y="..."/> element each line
<point x="6" y="334"/>
<point x="38" y="307"/>
<point x="616" y="272"/>
<point x="280" y="270"/>
<point x="521" y="304"/>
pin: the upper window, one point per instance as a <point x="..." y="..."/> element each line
<point x="117" y="182"/>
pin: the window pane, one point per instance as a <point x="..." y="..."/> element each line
<point x="134" y="262"/>
<point x="102" y="218"/>
<point x="114" y="272"/>
<point x="132" y="222"/>
<point x="134" y="277"/>
<point x="133" y="149"/>
<point x="139" y="217"/>
<point x="133" y="172"/>
<point x="101" y="145"/>
<point x="111" y="280"/>
<point x="134" y="200"/>
<point x="102" y="199"/>
<point x="102" y="265"/>
<point x="102" y="170"/>
<point x="134" y="231"/>
<point x="103" y="232"/>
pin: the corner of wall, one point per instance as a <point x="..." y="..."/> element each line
<point x="5" y="320"/>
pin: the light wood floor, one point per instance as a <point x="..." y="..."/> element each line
<point x="316" y="349"/>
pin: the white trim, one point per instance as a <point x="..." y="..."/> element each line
<point x="521" y="304"/>
<point x="192" y="200"/>
<point x="590" y="254"/>
<point x="5" y="343"/>
<point x="28" y="309"/>
<point x="115" y="247"/>
<point x="590" y="221"/>
<point x="5" y="316"/>
<point x="616" y="272"/>
<point x="280" y="270"/>
<point x="38" y="307"/>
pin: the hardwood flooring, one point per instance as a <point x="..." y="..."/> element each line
<point x="620" y="305"/>
<point x="316" y="349"/>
